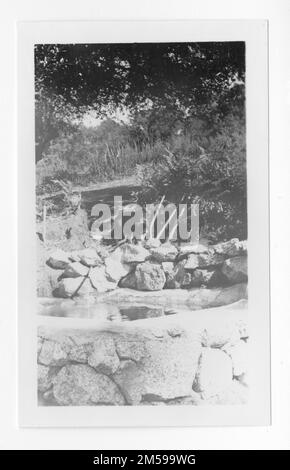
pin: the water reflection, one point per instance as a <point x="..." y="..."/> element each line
<point x="100" y="311"/>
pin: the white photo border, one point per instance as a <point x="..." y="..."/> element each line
<point x="255" y="34"/>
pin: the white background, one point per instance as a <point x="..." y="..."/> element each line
<point x="275" y="436"/>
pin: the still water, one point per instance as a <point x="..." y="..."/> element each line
<point x="100" y="311"/>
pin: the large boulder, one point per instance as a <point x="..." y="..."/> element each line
<point x="165" y="252"/>
<point x="149" y="276"/>
<point x="214" y="372"/>
<point x="236" y="269"/>
<point x="79" y="384"/>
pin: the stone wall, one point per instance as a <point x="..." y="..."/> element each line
<point x="147" y="266"/>
<point x="190" y="358"/>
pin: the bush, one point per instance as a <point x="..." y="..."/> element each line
<point x="213" y="177"/>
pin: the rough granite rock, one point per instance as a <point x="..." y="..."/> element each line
<point x="165" y="252"/>
<point x="162" y="369"/>
<point x="204" y="260"/>
<point x="177" y="276"/>
<point x="214" y="373"/>
<point x="45" y="376"/>
<point x="134" y="253"/>
<point x="100" y="280"/>
<point x="103" y="357"/>
<point x="236" y="269"/>
<point x="115" y="267"/>
<point x="192" y="248"/>
<point x="69" y="287"/>
<point x="79" y="384"/>
<point x="149" y="276"/>
<point x="128" y="348"/>
<point x="232" y="247"/>
<point x="88" y="257"/>
<point x="58" y="259"/>
<point x="75" y="269"/>
<point x="54" y="353"/>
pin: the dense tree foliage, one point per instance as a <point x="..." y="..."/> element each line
<point x="186" y="130"/>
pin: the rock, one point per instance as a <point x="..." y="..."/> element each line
<point x="192" y="248"/>
<point x="207" y="277"/>
<point x="103" y="357"/>
<point x="235" y="394"/>
<point x="152" y="243"/>
<point x="149" y="276"/>
<point x="58" y="259"/>
<point x="53" y="353"/>
<point x="45" y="377"/>
<point x="80" y="385"/>
<point x="239" y="353"/>
<point x="80" y="353"/>
<point x="162" y="369"/>
<point x="176" y="276"/>
<point x="204" y="260"/>
<point x="75" y="269"/>
<point x="134" y="254"/>
<point x="115" y="267"/>
<point x="100" y="280"/>
<point x="231" y="248"/>
<point x="69" y="287"/>
<point x="127" y="348"/>
<point x="165" y="252"/>
<point x="87" y="257"/>
<point x="236" y="269"/>
<point x="214" y="373"/>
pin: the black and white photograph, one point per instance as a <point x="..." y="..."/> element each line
<point x="138" y="147"/>
<point x="148" y="269"/>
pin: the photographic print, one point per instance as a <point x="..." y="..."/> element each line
<point x="141" y="225"/>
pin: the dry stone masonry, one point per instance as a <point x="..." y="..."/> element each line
<point x="179" y="359"/>
<point x="148" y="267"/>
